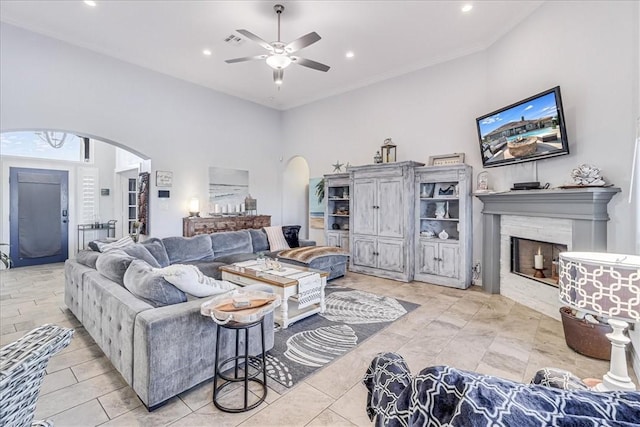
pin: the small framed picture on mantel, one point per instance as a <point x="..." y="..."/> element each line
<point x="446" y="159"/>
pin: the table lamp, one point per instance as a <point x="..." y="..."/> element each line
<point x="194" y="207"/>
<point x="606" y="285"/>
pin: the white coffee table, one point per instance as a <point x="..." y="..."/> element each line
<point x="284" y="286"/>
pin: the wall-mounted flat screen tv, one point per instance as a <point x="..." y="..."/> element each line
<point x="531" y="129"/>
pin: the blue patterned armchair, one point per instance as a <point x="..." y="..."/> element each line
<point x="22" y="370"/>
<point x="442" y="395"/>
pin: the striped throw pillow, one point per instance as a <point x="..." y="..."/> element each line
<point x="118" y="244"/>
<point x="277" y="242"/>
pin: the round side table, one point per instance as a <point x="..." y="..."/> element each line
<point x="240" y="361"/>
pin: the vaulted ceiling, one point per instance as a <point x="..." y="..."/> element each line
<point x="387" y="38"/>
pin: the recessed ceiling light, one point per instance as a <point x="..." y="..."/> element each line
<point x="349" y="54"/>
<point x="206" y="52"/>
<point x="90" y="3"/>
<point x="467" y="7"/>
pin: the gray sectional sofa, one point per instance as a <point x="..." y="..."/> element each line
<point x="151" y="331"/>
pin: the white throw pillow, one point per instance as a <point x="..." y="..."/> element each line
<point x="118" y="244"/>
<point x="277" y="242"/>
<point x="189" y="279"/>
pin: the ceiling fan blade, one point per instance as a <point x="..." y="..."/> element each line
<point x="310" y="64"/>
<point x="246" y="58"/>
<point x="256" y="39"/>
<point x="302" y="42"/>
<point x="278" y="76"/>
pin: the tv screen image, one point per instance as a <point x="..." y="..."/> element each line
<point x="531" y="129"/>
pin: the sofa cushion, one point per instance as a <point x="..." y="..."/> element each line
<point x="147" y="283"/>
<point x="113" y="264"/>
<point x="259" y="240"/>
<point x="181" y="249"/>
<point x="231" y="258"/>
<point x="277" y="242"/>
<point x="118" y="244"/>
<point x="157" y="249"/>
<point x="291" y="235"/>
<point x="189" y="279"/>
<point x="231" y="242"/>
<point x="88" y="258"/>
<point x="208" y="268"/>
<point x="139" y="251"/>
<point x="94" y="245"/>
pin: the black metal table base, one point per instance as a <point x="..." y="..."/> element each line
<point x="240" y="362"/>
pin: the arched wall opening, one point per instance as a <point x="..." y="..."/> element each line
<point x="106" y="174"/>
<point x="295" y="195"/>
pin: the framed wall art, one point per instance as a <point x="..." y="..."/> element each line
<point x="446" y="159"/>
<point x="164" y="178"/>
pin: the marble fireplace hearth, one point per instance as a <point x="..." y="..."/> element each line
<point x="574" y="217"/>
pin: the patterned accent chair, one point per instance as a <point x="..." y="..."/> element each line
<point x="22" y="369"/>
<point x="442" y="395"/>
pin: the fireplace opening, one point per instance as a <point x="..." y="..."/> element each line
<point x="536" y="260"/>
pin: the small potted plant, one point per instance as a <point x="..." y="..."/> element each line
<point x="4" y="258"/>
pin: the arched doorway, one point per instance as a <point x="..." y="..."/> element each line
<point x="94" y="170"/>
<point x="295" y="191"/>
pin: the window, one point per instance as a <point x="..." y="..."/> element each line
<point x="34" y="144"/>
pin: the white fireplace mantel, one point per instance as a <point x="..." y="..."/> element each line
<point x="586" y="208"/>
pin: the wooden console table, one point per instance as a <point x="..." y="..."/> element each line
<point x="192" y="226"/>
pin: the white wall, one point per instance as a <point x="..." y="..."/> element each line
<point x="635" y="334"/>
<point x="433" y="111"/>
<point x="183" y="128"/>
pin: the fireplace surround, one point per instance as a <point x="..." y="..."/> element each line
<point x="575" y="217"/>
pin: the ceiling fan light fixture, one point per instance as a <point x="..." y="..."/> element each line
<point x="278" y="77"/>
<point x="278" y="62"/>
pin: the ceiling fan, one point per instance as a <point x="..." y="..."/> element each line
<point x="280" y="54"/>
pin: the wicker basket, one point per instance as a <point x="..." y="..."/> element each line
<point x="586" y="338"/>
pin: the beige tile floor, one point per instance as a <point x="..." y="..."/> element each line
<point x="466" y="329"/>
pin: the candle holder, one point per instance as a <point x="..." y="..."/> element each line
<point x="539" y="274"/>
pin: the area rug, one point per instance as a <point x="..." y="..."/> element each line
<point x="350" y="318"/>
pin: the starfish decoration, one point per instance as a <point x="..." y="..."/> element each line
<point x="337" y="166"/>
